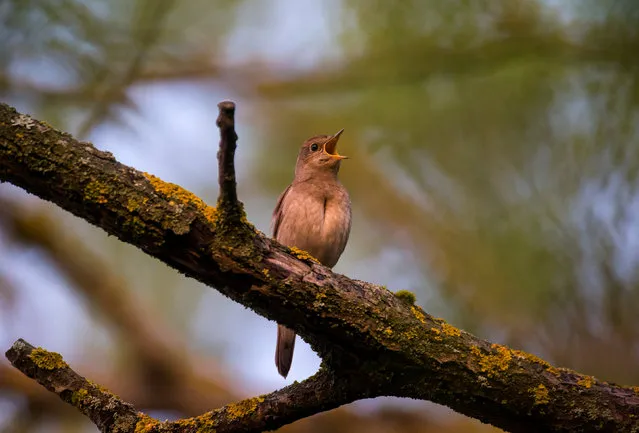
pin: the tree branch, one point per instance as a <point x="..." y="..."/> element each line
<point x="165" y="375"/>
<point x="318" y="393"/>
<point x="108" y="413"/>
<point x="380" y="344"/>
<point x="226" y="154"/>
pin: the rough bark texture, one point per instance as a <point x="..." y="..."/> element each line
<point x="382" y="343"/>
<point x="108" y="412"/>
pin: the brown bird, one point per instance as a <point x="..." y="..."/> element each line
<point x="313" y="214"/>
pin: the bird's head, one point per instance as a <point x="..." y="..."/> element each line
<point x="318" y="155"/>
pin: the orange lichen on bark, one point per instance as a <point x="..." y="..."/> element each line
<point x="96" y="192"/>
<point x="535" y="359"/>
<point x="302" y="255"/>
<point x="586" y="381"/>
<point x="145" y="423"/>
<point x="495" y="362"/>
<point x="450" y="330"/>
<point x="418" y="314"/>
<point x="182" y="196"/>
<point x="540" y="393"/>
<point x="243" y="408"/>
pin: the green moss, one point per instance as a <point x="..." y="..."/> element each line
<point x="540" y="394"/>
<point x="47" y="360"/>
<point x="406" y="296"/>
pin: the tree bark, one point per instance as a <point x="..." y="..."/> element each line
<point x="372" y="342"/>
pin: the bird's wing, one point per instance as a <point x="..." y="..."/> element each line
<point x="277" y="213"/>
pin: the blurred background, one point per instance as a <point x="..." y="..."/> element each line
<point x="493" y="172"/>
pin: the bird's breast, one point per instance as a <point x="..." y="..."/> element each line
<point x="318" y="222"/>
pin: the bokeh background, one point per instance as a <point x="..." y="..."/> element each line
<point x="494" y="155"/>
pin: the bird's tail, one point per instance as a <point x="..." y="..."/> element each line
<point x="284" y="349"/>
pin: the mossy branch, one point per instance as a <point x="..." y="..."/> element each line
<point x="112" y="415"/>
<point x="380" y="344"/>
<point x="107" y="411"/>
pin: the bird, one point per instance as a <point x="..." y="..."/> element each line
<point x="312" y="214"/>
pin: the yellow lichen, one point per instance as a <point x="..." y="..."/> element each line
<point x="450" y="330"/>
<point x="134" y="204"/>
<point x="241" y="409"/>
<point x="47" y="360"/>
<point x="411" y="334"/>
<point x="418" y="314"/>
<point x="204" y="423"/>
<point x="495" y="362"/>
<point x="586" y="381"/>
<point x="145" y="423"/>
<point x="406" y="296"/>
<point x="302" y="255"/>
<point x="636" y="389"/>
<point x="96" y="192"/>
<point x="540" y="394"/>
<point x="175" y="192"/>
<point x="78" y="397"/>
<point x="102" y="388"/>
<point x="388" y="331"/>
<point x="535" y="359"/>
<point x="319" y="300"/>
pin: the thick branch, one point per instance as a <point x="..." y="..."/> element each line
<point x="381" y="342"/>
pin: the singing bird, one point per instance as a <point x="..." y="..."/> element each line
<point x="313" y="214"/>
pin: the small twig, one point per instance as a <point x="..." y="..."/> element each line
<point x="108" y="412"/>
<point x="319" y="393"/>
<point x="226" y="155"/>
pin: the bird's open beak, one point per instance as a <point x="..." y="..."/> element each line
<point x="330" y="147"/>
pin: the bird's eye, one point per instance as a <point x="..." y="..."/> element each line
<point x="314" y="147"/>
